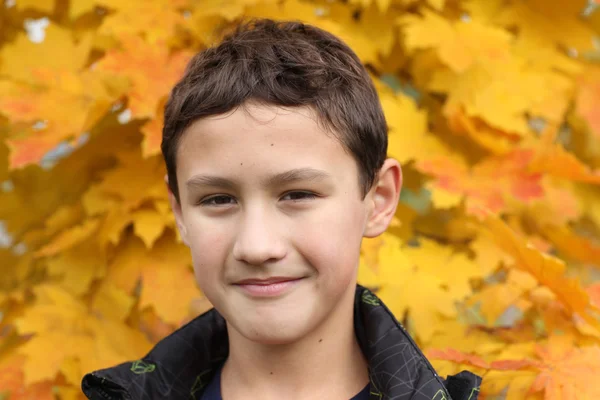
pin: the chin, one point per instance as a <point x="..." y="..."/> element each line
<point x="275" y="332"/>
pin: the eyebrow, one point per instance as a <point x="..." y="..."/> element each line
<point x="291" y="176"/>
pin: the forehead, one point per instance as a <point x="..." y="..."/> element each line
<point x="260" y="138"/>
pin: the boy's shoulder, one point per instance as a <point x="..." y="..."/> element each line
<point x="182" y="364"/>
<point x="177" y="367"/>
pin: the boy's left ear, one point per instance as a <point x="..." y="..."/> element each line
<point x="383" y="198"/>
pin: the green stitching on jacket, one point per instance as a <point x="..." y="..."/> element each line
<point x="442" y="395"/>
<point x="199" y="383"/>
<point x="374" y="390"/>
<point x="369" y="298"/>
<point x="141" y="367"/>
<point x="475" y="389"/>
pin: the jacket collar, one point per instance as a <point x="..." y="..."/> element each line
<point x="181" y="365"/>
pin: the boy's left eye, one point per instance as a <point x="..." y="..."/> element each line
<point x="300" y="195"/>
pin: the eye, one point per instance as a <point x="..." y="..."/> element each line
<point x="220" y="200"/>
<point x="300" y="196"/>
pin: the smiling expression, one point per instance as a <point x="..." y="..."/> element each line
<point x="266" y="193"/>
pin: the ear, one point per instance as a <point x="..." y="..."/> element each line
<point x="383" y="198"/>
<point x="176" y="207"/>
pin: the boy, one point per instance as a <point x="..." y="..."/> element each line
<point x="275" y="145"/>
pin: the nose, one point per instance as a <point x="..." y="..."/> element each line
<point x="259" y="239"/>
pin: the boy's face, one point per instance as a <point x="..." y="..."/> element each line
<point x="247" y="229"/>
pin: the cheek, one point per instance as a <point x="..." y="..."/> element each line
<point x="208" y="249"/>
<point x="332" y="242"/>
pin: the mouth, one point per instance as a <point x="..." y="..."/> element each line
<point x="267" y="281"/>
<point x="270" y="287"/>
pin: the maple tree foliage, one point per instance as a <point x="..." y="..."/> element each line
<point x="492" y="262"/>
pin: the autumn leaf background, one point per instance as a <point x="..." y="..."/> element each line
<point x="492" y="262"/>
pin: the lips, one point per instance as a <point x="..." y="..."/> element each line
<point x="268" y="281"/>
<point x="270" y="287"/>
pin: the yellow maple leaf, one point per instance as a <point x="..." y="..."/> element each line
<point x="483" y="91"/>
<point x="157" y="19"/>
<point x="149" y="225"/>
<point x="133" y="180"/>
<point x="515" y="384"/>
<point x="456" y="270"/>
<point x="557" y="22"/>
<point x="78" y="266"/>
<point x="69" y="238"/>
<point x="420" y="294"/>
<point x="65" y="217"/>
<point x="125" y="268"/>
<point x="64" y="329"/>
<point x="149" y="68"/>
<point x="483" y="11"/>
<point x="580" y="248"/>
<point x="45" y="6"/>
<point x="168" y="282"/>
<point x="495" y="299"/>
<point x="374" y="22"/>
<point x="226" y="9"/>
<point x="58" y="50"/>
<point x="309" y="13"/>
<point x="460" y="44"/>
<point x="408" y="137"/>
<point x="113" y="224"/>
<point x="79" y="7"/>
<point x="487" y="254"/>
<point x="403" y="286"/>
<point x="112" y="302"/>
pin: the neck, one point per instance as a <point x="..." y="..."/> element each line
<point x="327" y="363"/>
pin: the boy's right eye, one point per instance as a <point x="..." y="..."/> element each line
<point x="216" y="201"/>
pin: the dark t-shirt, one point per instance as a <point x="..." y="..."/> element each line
<point x="213" y="390"/>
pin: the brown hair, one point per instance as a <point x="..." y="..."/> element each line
<point x="284" y="64"/>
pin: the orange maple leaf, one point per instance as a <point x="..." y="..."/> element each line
<point x="553" y="159"/>
<point x="31" y="149"/>
<point x="491" y="183"/>
<point x="548" y="270"/>
<point x="150" y="70"/>
<point x="594" y="292"/>
<point x="567" y="372"/>
<point x="458" y="357"/>
<point x="152" y="131"/>
<point x="488" y="137"/>
<point x="573" y="245"/>
<point x="587" y="100"/>
<point x="12" y="379"/>
<point x="564" y="371"/>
